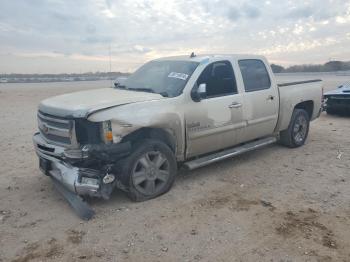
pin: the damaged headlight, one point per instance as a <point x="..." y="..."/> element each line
<point x="106" y="133"/>
<point x="75" y="153"/>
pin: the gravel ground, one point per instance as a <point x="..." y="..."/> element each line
<point x="275" y="204"/>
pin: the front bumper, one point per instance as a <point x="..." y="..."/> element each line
<point x="342" y="108"/>
<point x="81" y="181"/>
<point x="338" y="103"/>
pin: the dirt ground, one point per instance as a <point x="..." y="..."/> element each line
<point x="275" y="204"/>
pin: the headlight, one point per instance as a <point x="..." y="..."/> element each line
<point x="107" y="135"/>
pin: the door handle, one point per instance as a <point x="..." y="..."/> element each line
<point x="235" y="105"/>
<point x="270" y="97"/>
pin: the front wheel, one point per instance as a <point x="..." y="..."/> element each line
<point x="298" y="130"/>
<point x="149" y="171"/>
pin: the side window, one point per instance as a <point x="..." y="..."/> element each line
<point x="219" y="78"/>
<point x="255" y="75"/>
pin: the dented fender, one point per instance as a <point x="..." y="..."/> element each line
<point x="166" y="114"/>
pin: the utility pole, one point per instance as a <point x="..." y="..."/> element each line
<point x="110" y="65"/>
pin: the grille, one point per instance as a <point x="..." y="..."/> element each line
<point x="57" y="130"/>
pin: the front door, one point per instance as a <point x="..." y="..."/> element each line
<point x="212" y="123"/>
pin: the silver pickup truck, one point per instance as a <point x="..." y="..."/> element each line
<point x="177" y="111"/>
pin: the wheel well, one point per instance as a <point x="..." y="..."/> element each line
<point x="308" y="106"/>
<point x="154" y="133"/>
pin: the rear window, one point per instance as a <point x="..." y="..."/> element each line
<point x="255" y="75"/>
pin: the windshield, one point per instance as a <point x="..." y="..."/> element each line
<point x="167" y="78"/>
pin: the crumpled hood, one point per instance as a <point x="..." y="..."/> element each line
<point x="81" y="104"/>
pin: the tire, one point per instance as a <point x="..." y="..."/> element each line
<point x="149" y="171"/>
<point x="298" y="130"/>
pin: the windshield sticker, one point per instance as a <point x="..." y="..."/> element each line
<point x="178" y="75"/>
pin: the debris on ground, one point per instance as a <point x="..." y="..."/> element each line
<point x="75" y="236"/>
<point x="194" y="232"/>
<point x="265" y="203"/>
<point x="340" y="154"/>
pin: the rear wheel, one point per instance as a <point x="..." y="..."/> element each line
<point x="149" y="171"/>
<point x="298" y="130"/>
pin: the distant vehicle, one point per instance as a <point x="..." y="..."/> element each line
<point x="177" y="111"/>
<point x="3" y="80"/>
<point x="338" y="101"/>
<point x="120" y="81"/>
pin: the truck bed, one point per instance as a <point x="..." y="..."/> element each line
<point x="293" y="93"/>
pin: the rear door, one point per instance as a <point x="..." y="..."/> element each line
<point x="260" y="100"/>
<point x="212" y="123"/>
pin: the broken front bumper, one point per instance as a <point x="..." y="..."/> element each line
<point x="67" y="168"/>
<point x="81" y="181"/>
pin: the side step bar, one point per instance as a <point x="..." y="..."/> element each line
<point x="216" y="157"/>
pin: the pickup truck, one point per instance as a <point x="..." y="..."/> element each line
<point x="186" y="111"/>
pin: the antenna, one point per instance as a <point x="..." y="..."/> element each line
<point x="192" y="55"/>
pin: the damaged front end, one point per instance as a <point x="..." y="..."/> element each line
<point x="87" y="170"/>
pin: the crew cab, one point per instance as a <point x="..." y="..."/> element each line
<point x="186" y="111"/>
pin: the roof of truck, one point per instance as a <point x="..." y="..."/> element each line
<point x="200" y="58"/>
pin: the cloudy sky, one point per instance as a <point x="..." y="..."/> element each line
<point x="54" y="36"/>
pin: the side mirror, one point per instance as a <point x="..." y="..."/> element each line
<point x="199" y="93"/>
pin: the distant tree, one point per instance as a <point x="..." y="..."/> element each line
<point x="331" y="66"/>
<point x="334" y="66"/>
<point x="277" y="68"/>
<point x="306" y="68"/>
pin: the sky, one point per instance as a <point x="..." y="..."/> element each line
<point x="75" y="36"/>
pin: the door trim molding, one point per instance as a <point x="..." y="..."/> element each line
<point x="262" y="119"/>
